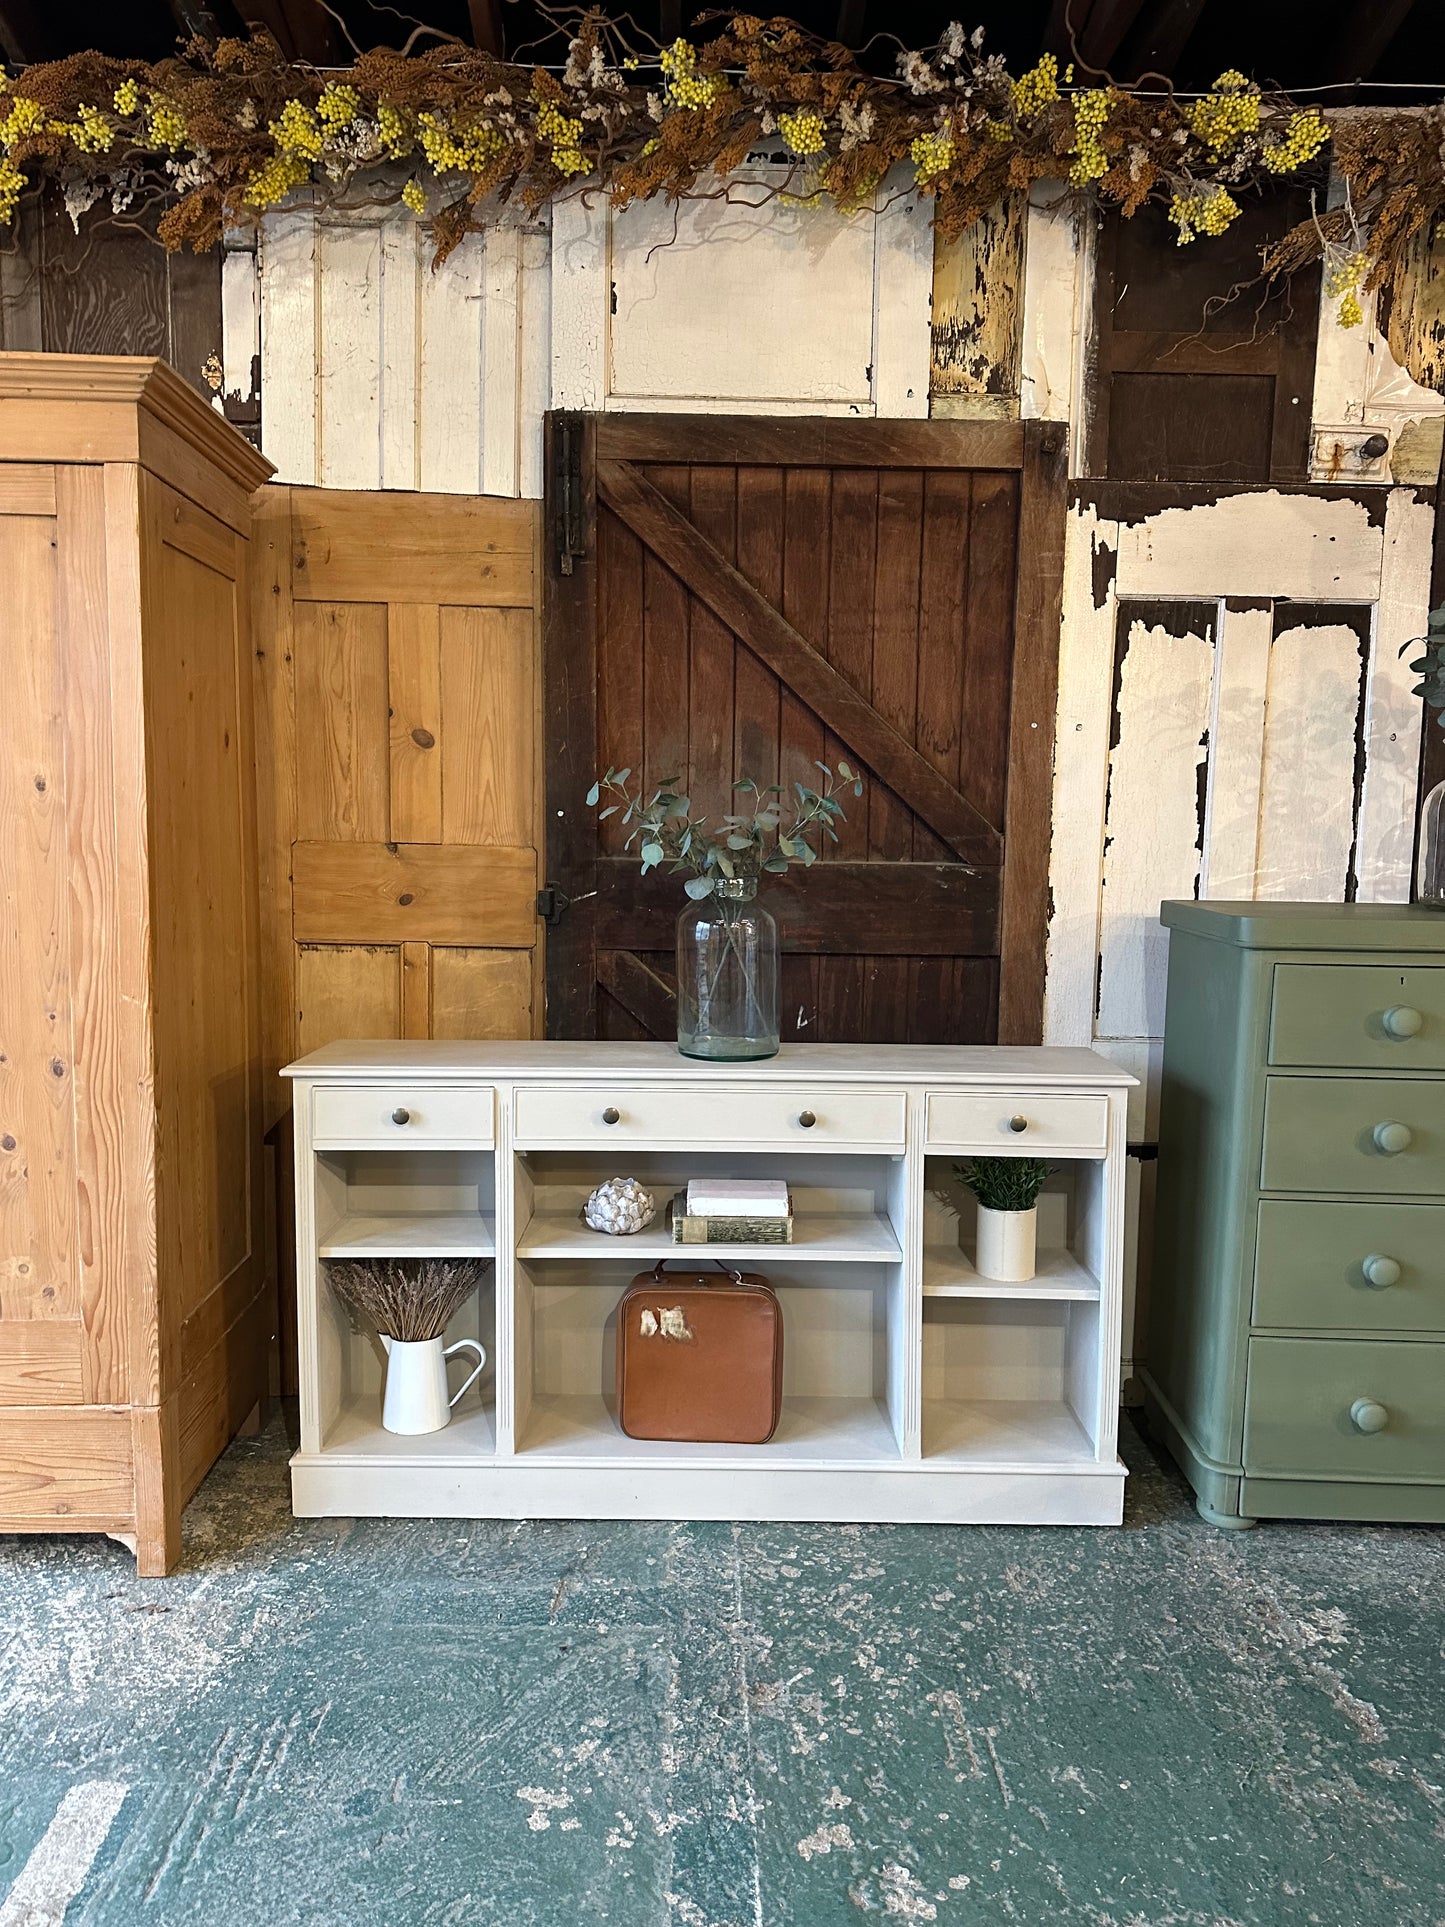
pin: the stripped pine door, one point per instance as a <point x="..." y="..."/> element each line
<point x="732" y="597"/>
<point x="397" y="774"/>
<point x="47" y="1297"/>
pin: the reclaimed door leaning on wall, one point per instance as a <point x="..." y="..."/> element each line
<point x="397" y="779"/>
<point x="730" y="596"/>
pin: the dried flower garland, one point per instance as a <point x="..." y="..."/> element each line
<point x="226" y="131"/>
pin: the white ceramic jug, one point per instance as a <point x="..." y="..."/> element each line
<point x="416" y="1383"/>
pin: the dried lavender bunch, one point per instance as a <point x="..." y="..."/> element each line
<point x="407" y="1299"/>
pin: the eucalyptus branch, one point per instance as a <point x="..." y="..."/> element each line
<point x="782" y="827"/>
<point x="1430" y="667"/>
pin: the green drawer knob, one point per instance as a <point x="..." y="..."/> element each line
<point x="1369" y="1416"/>
<point x="1380" y="1271"/>
<point x="1401" y="1021"/>
<point x="1392" y="1138"/>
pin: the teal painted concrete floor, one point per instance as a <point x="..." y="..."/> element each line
<point x="534" y="1725"/>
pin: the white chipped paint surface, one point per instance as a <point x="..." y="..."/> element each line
<point x="379" y="371"/>
<point x="1307" y="789"/>
<point x="1152" y="827"/>
<point x="1265" y="544"/>
<point x="1359" y="385"/>
<point x="741" y="299"/>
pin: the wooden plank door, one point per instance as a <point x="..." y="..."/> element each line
<point x="735" y="597"/>
<point x="43" y="1288"/>
<point x="397" y="703"/>
<point x="397" y="707"/>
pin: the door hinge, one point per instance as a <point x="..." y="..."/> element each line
<point x="567" y="506"/>
<point x="551" y="903"/>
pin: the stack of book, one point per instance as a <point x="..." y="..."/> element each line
<point x="725" y="1211"/>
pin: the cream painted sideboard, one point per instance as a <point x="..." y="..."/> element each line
<point x="914" y="1390"/>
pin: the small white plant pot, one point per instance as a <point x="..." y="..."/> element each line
<point x="1007" y="1245"/>
<point x="416" y="1383"/>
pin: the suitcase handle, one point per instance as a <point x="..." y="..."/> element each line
<point x="728" y="1271"/>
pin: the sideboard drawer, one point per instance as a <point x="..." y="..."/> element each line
<point x="994" y="1121"/>
<point x="404" y="1114"/>
<point x="793" y="1116"/>
<point x="1381" y="1135"/>
<point x="1350" y="1267"/>
<point x="1345" y="1408"/>
<point x="1365" y="1016"/>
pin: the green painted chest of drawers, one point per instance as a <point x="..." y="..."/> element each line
<point x="1296" y="1345"/>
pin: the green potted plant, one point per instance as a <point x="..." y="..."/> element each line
<point x="727" y="942"/>
<point x="1007" y="1190"/>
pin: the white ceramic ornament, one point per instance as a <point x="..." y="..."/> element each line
<point x="620" y="1206"/>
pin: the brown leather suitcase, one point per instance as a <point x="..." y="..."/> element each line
<point x="700" y="1357"/>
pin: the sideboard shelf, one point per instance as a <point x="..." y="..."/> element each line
<point x="817" y="1236"/>
<point x="948" y="1272"/>
<point x="412" y="1234"/>
<point x="827" y="1432"/>
<point x="913" y="1389"/>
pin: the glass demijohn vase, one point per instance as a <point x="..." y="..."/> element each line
<point x="727" y="975"/>
<point x="1430" y="866"/>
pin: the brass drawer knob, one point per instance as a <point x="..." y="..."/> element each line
<point x="612" y="1115"/>
<point x="1401" y="1021"/>
<point x="1367" y="1415"/>
<point x="1380" y="1271"/>
<point x="1018" y="1124"/>
<point x="1392" y="1138"/>
<point x="807" y="1119"/>
<point x="400" y="1116"/>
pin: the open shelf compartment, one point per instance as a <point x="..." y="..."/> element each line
<point x="846" y="1208"/>
<point x="843" y="1366"/>
<point x="1011" y="1370"/>
<point x="402" y="1203"/>
<point x="1069" y="1258"/>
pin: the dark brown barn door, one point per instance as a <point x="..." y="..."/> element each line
<point x="1191" y="385"/>
<point x="733" y="597"/>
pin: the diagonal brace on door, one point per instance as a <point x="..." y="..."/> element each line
<point x="775" y="642"/>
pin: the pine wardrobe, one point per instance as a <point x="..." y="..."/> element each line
<point x="135" y="1317"/>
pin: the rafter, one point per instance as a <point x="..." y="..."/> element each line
<point x="1364" y="38"/>
<point x="302" y="29"/>
<point x="21" y="40"/>
<point x="196" y="17"/>
<point x="486" y="19"/>
<point x="1158" y="37"/>
<point x="850" y="21"/>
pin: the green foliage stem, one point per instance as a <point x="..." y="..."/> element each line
<point x="1430" y="667"/>
<point x="780" y="829"/>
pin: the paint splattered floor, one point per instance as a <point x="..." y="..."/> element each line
<point x="343" y="1724"/>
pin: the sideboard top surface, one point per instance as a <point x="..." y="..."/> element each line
<point x="1310" y="926"/>
<point x="894" y="1063"/>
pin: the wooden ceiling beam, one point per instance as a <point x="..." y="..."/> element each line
<point x="21" y="41"/>
<point x="1158" y="37"/>
<point x="196" y="17"/>
<point x="1364" y="38"/>
<point x="302" y="29"/>
<point x="486" y="19"/>
<point x="1109" y="22"/>
<point x="850" y="22"/>
<point x="1089" y="31"/>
